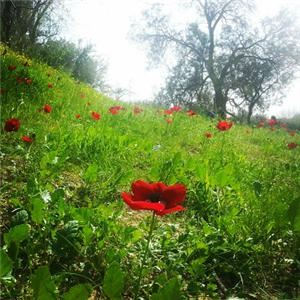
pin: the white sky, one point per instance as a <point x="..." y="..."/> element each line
<point x="105" y="24"/>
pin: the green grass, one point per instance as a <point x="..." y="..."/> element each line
<point x="66" y="233"/>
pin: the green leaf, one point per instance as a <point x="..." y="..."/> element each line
<point x="222" y="178"/>
<point x="79" y="291"/>
<point x="42" y="284"/>
<point x="294" y="212"/>
<point x="17" y="234"/>
<point x="154" y="174"/>
<point x="90" y="175"/>
<point x="177" y="160"/>
<point x="57" y="195"/>
<point x="113" y="282"/>
<point x="200" y="172"/>
<point x="21" y="217"/>
<point x="257" y="187"/>
<point x="65" y="238"/>
<point x="170" y="291"/>
<point x="37" y="211"/>
<point x="5" y="264"/>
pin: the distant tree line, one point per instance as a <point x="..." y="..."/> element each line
<point x="222" y="60"/>
<point x="33" y="28"/>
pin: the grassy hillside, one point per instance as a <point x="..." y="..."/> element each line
<point x="67" y="154"/>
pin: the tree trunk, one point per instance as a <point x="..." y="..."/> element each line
<point x="250" y="112"/>
<point x="220" y="103"/>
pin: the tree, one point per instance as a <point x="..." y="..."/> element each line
<point x="79" y="60"/>
<point x="25" y="23"/>
<point x="220" y="50"/>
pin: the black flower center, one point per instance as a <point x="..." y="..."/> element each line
<point x="154" y="197"/>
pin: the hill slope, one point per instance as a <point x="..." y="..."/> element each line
<point x="68" y="152"/>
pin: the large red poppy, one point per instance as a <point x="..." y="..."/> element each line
<point x="223" y="125"/>
<point x="155" y="196"/>
<point x="95" y="115"/>
<point x="11" y="125"/>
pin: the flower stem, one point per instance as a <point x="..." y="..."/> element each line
<point x="145" y="256"/>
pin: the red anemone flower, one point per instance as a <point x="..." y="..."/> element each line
<point x="47" y="109"/>
<point x="113" y="111"/>
<point x="272" y="122"/>
<point x="48" y="74"/>
<point x="50" y="85"/>
<point x="169" y="121"/>
<point x="82" y="96"/>
<point x="191" y="112"/>
<point x="12" y="67"/>
<point x="292" y="134"/>
<point x="27" y="139"/>
<point x="223" y="125"/>
<point x="247" y="131"/>
<point x="156" y="197"/>
<point x="96" y="116"/>
<point x="208" y="135"/>
<point x="176" y="108"/>
<point x="167" y="111"/>
<point x="292" y="145"/>
<point x="11" y="125"/>
<point x="78" y="116"/>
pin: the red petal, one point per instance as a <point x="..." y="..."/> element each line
<point x="158" y="187"/>
<point x="169" y="210"/>
<point x="140" y="205"/>
<point x="141" y="190"/>
<point x="174" y="195"/>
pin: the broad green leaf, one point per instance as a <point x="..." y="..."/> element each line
<point x="294" y="213"/>
<point x="200" y="172"/>
<point x="90" y="175"/>
<point x="42" y="284"/>
<point x="154" y="174"/>
<point x="17" y="234"/>
<point x="5" y="264"/>
<point x="110" y="254"/>
<point x="37" y="210"/>
<point x="177" y="160"/>
<point x="155" y="297"/>
<point x="113" y="282"/>
<point x="31" y="187"/>
<point x="65" y="238"/>
<point x="222" y="178"/>
<point x="44" y="161"/>
<point x="57" y="194"/>
<point x="79" y="291"/>
<point x="83" y="214"/>
<point x="21" y="217"/>
<point x="170" y="291"/>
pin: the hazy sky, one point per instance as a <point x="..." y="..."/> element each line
<point x="105" y="23"/>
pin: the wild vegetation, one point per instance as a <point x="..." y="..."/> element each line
<point x="70" y="155"/>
